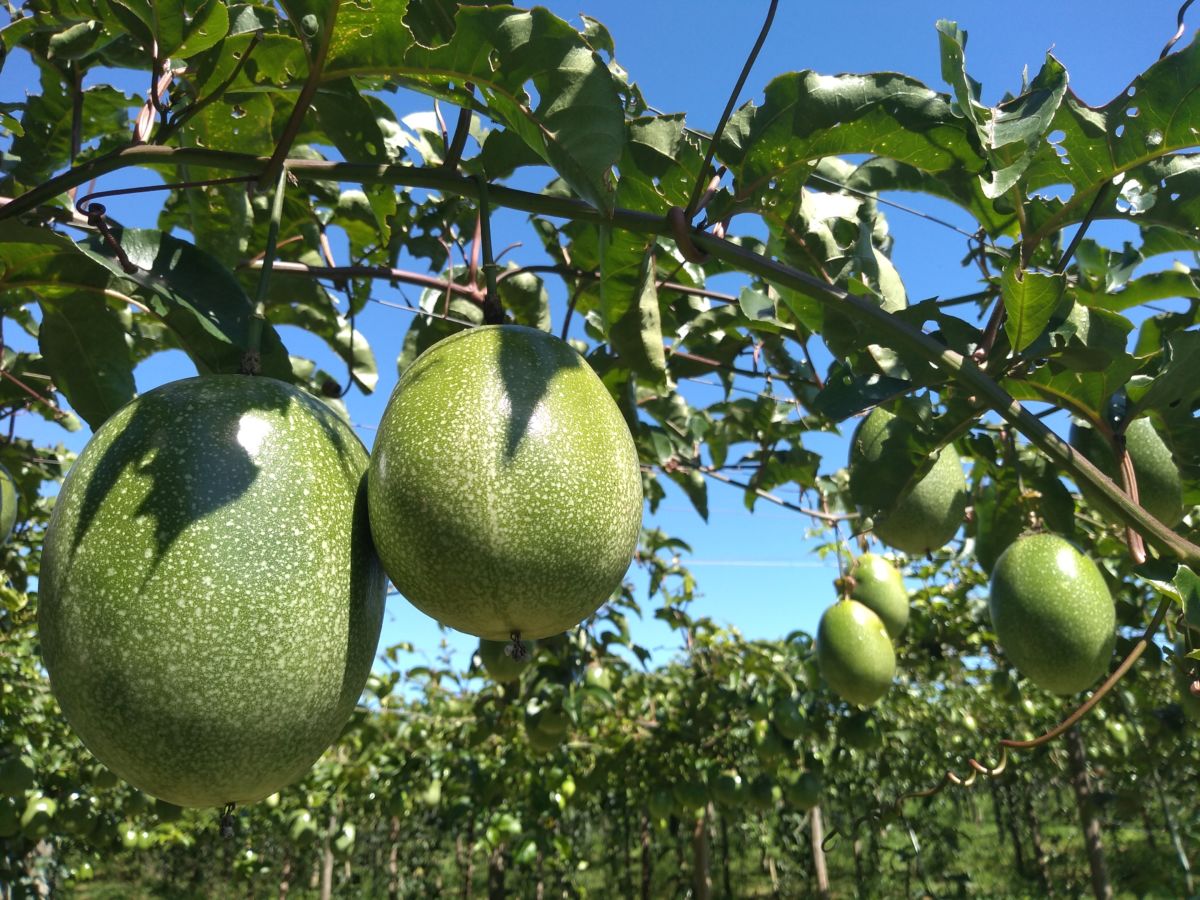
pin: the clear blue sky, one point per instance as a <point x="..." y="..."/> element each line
<point x="758" y="571"/>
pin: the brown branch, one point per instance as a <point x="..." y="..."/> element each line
<point x="1137" y="547"/>
<point x="333" y="273"/>
<point x="58" y="412"/>
<point x="951" y="364"/>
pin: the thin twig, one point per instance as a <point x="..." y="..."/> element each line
<point x="1088" y="218"/>
<point x="493" y="309"/>
<point x="54" y="407"/>
<point x="702" y="180"/>
<point x="778" y="501"/>
<point x="1178" y="31"/>
<point x="172" y="125"/>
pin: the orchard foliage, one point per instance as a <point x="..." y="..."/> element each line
<point x="292" y="188"/>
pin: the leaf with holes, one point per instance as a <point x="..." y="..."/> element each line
<point x="1030" y="302"/>
<point x="1012" y="132"/>
<point x="1155" y="117"/>
<point x="772" y="148"/>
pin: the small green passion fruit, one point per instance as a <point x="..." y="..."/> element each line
<point x="855" y="653"/>
<point x="914" y="517"/>
<point x="1160" y="490"/>
<point x="879" y="586"/>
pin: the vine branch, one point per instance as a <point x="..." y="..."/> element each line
<point x="949" y="362"/>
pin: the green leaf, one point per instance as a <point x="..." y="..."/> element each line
<point x="207" y="27"/>
<point x="1084" y="393"/>
<point x="1011" y="133"/>
<point x="958" y="185"/>
<point x="195" y="295"/>
<point x="846" y="394"/>
<point x="578" y="124"/>
<point x="695" y="486"/>
<point x="629" y="299"/>
<point x="525" y="297"/>
<point x="1030" y="301"/>
<point x="758" y="307"/>
<point x="771" y="149"/>
<point x="323" y="320"/>
<point x="1175" y="388"/>
<point x="1153" y="118"/>
<point x="431" y="21"/>
<point x="1148" y="288"/>
<point x="84" y="345"/>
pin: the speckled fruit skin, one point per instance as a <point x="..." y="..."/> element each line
<point x="8" y="504"/>
<point x="1052" y="613"/>
<point x="855" y="653"/>
<point x="499" y="665"/>
<point x="926" y="516"/>
<point x="210" y="599"/>
<point x="504" y="488"/>
<point x="879" y="586"/>
<point x="1160" y="490"/>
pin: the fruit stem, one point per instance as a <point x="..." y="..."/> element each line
<point x="517" y="649"/>
<point x="251" y="361"/>
<point x="227" y="821"/>
<point x="493" y="310"/>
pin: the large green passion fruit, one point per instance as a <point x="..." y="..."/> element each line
<point x="913" y="517"/>
<point x="504" y="489"/>
<point x="210" y="598"/>
<point x="1053" y="613"/>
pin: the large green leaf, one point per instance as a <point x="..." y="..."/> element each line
<point x="1174" y="390"/>
<point x="1084" y="393"/>
<point x="805" y="116"/>
<point x="1154" y="117"/>
<point x="195" y="295"/>
<point x="1011" y="133"/>
<point x="629" y="300"/>
<point x="84" y="344"/>
<point x="1148" y="288"/>
<point x="577" y="125"/>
